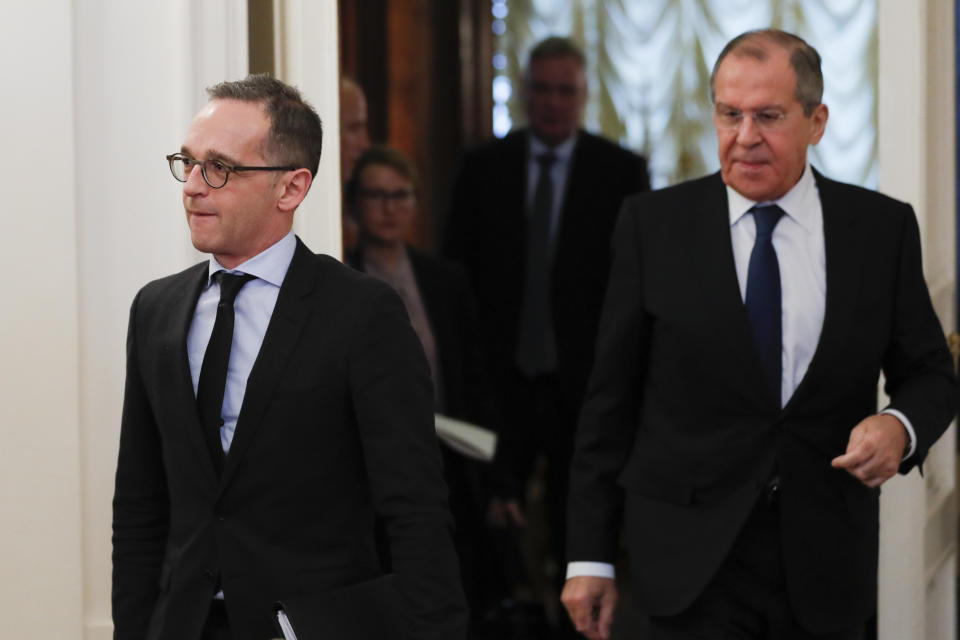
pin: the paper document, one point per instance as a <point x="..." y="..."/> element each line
<point x="285" y="626"/>
<point x="468" y="439"/>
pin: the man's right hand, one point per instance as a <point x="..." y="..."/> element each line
<point x="590" y="602"/>
<point x="503" y="513"/>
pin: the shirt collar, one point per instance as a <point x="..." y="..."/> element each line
<point x="563" y="151"/>
<point x="798" y="203"/>
<point x="271" y="264"/>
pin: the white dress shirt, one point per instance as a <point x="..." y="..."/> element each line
<point x="801" y="253"/>
<point x="253" y="308"/>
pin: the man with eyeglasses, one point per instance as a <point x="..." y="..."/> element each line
<point x="731" y="420"/>
<point x="278" y="410"/>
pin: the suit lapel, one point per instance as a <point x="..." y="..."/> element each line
<point x="844" y="250"/>
<point x="177" y="368"/>
<point x="709" y="227"/>
<point x="286" y="325"/>
<point x="577" y="197"/>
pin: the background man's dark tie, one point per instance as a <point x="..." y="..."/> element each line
<point x="763" y="296"/>
<point x="536" y="344"/>
<point x="213" y="371"/>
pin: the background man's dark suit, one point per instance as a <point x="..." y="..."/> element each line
<point x="486" y="232"/>
<point x="676" y="413"/>
<point x="322" y="449"/>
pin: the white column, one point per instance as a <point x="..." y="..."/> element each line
<point x="308" y="57"/>
<point x="140" y="70"/>
<point x="918" y="531"/>
<point x="41" y="592"/>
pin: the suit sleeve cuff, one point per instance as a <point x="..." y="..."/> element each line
<point x="595" y="569"/>
<point x="911" y="434"/>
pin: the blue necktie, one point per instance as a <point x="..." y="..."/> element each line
<point x="536" y="345"/>
<point x="763" y="297"/>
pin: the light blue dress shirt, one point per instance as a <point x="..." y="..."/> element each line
<point x="252" y="311"/>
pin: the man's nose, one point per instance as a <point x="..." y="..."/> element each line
<point x="749" y="133"/>
<point x="195" y="184"/>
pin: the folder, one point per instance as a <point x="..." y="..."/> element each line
<point x="371" y="609"/>
<point x="465" y="438"/>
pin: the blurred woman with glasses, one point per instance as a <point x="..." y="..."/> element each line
<point x="382" y="194"/>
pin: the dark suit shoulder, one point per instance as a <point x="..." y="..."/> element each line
<point x="342" y="279"/>
<point x="162" y="289"/>
<point x="690" y="196"/>
<point x="494" y="150"/>
<point x="856" y="196"/>
<point x="435" y="267"/>
<point x="591" y="144"/>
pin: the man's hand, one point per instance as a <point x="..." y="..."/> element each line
<point x="874" y="450"/>
<point x="590" y="602"/>
<point x="503" y="513"/>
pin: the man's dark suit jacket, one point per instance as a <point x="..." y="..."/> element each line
<point x="486" y="232"/>
<point x="678" y="423"/>
<point x="335" y="433"/>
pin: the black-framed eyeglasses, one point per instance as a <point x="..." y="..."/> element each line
<point x="214" y="172"/>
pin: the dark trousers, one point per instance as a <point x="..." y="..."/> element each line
<point x="540" y="421"/>
<point x="217" y="627"/>
<point x="747" y="599"/>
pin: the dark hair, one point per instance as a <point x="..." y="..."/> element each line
<point x="556" y="46"/>
<point x="804" y="60"/>
<point x="381" y="155"/>
<point x="296" y="134"/>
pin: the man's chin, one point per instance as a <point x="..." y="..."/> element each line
<point x="756" y="185"/>
<point x="202" y="244"/>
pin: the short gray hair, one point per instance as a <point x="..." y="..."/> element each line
<point x="804" y="60"/>
<point x="554" y="47"/>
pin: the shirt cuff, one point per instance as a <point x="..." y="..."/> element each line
<point x="911" y="434"/>
<point x="595" y="569"/>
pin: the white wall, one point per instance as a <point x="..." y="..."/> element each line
<point x="918" y="530"/>
<point x="40" y="490"/>
<point x="95" y="93"/>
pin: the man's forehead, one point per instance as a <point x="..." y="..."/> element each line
<point x="749" y="74"/>
<point x="760" y="51"/>
<point x="565" y="64"/>
<point x="229" y="128"/>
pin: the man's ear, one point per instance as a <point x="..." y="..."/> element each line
<point x="818" y="122"/>
<point x="294" y="189"/>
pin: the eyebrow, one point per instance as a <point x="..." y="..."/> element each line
<point x="766" y="107"/>
<point x="212" y="154"/>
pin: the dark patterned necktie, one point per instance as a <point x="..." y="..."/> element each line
<point x="536" y="345"/>
<point x="213" y="371"/>
<point x="763" y="297"/>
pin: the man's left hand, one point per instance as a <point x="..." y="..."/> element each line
<point x="874" y="450"/>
